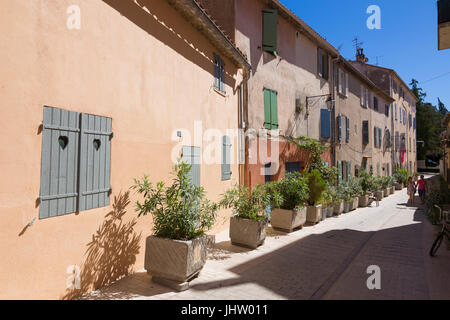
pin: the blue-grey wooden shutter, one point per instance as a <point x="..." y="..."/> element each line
<point x="191" y="156"/>
<point x="349" y="170"/>
<point x="216" y="72"/>
<point x="59" y="163"/>
<point x="339" y="171"/>
<point x="347" y="129"/>
<point x="375" y="138"/>
<point x="226" y="158"/>
<point x="380" y="137"/>
<point x="270" y="30"/>
<point x="365" y="132"/>
<point x="325" y="128"/>
<point x="95" y="162"/>
<point x="339" y="126"/>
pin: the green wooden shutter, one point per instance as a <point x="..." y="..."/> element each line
<point x="59" y="163"/>
<point x="340" y="171"/>
<point x="226" y="158"/>
<point x="349" y="170"/>
<point x="95" y="162"/>
<point x="274" y="110"/>
<point x="267" y="109"/>
<point x="270" y="30"/>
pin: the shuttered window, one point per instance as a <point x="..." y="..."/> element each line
<point x="191" y="156"/>
<point x="219" y="74"/>
<point x="322" y="63"/>
<point x="270" y="30"/>
<point x="365" y="132"/>
<point x="380" y="137"/>
<point x="325" y="125"/>
<point x="339" y="127"/>
<point x="75" y="163"/>
<point x="270" y="110"/>
<point x="375" y="103"/>
<point x="293" y="166"/>
<point x="226" y="158"/>
<point x="347" y="129"/>
<point x="395" y="106"/>
<point x="346" y="84"/>
<point x="414" y="123"/>
<point x="375" y="137"/>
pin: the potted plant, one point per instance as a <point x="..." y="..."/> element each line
<point x="401" y="177"/>
<point x="289" y="210"/>
<point x="338" y="199"/>
<point x="316" y="186"/>
<point x="365" y="181"/>
<point x="347" y="196"/>
<point x="249" y="224"/>
<point x="385" y="186"/>
<point x="391" y="185"/>
<point x="176" y="252"/>
<point x="328" y="201"/>
<point x="377" y="188"/>
<point x="355" y="188"/>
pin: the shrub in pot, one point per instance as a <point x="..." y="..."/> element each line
<point x="348" y="196"/>
<point x="337" y="199"/>
<point x="355" y="188"/>
<point x="316" y="186"/>
<point x="385" y="185"/>
<point x="328" y="201"/>
<point x="289" y="211"/>
<point x="365" y="182"/>
<point x="401" y="177"/>
<point x="176" y="252"/>
<point x="248" y="226"/>
<point x="377" y="188"/>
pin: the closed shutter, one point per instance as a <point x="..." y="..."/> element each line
<point x="365" y="132"/>
<point x="319" y="62"/>
<point x="362" y="95"/>
<point x="95" y="164"/>
<point x="346" y="84"/>
<point x="59" y="162"/>
<point x="349" y="170"/>
<point x="267" y="109"/>
<point x="375" y="137"/>
<point x="347" y="129"/>
<point x="325" y="129"/>
<point x="274" y="110"/>
<point x="226" y="158"/>
<point x="216" y="72"/>
<point x="270" y="30"/>
<point x="340" y="171"/>
<point x="325" y="66"/>
<point x="191" y="156"/>
<point x="339" y="126"/>
<point x="380" y="137"/>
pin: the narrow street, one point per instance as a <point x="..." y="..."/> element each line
<point x="325" y="261"/>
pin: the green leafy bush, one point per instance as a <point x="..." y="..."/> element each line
<point x="365" y="181"/>
<point x="316" y="186"/>
<point x="248" y="204"/>
<point x="351" y="189"/>
<point x="376" y="184"/>
<point x="180" y="211"/>
<point x="401" y="176"/>
<point x="293" y="190"/>
<point x="385" y="182"/>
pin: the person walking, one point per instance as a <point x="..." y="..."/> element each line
<point x="423" y="187"/>
<point x="411" y="189"/>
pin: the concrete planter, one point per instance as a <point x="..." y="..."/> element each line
<point x="386" y="192"/>
<point x="379" y="195"/>
<point x="348" y="206"/>
<point x="288" y="220"/>
<point x="330" y="211"/>
<point x="247" y="233"/>
<point x="173" y="262"/>
<point x="314" y="214"/>
<point x="363" y="201"/>
<point x="355" y="203"/>
<point x="338" y="207"/>
<point x="399" y="186"/>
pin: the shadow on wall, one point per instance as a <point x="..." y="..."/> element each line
<point x="164" y="23"/>
<point x="112" y="252"/>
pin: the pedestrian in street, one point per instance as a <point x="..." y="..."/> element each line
<point x="411" y="189"/>
<point x="423" y="187"/>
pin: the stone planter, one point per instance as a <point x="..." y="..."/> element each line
<point x="399" y="186"/>
<point x="363" y="201"/>
<point x="330" y="211"/>
<point x="247" y="233"/>
<point x="324" y="213"/>
<point x="288" y="220"/>
<point x="355" y="203"/>
<point x="348" y="206"/>
<point x="379" y="195"/>
<point x="314" y="214"/>
<point x="174" y="263"/>
<point x="392" y="190"/>
<point x="338" y="207"/>
<point x="385" y="192"/>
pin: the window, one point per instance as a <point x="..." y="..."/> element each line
<point x="363" y="102"/>
<point x="395" y="105"/>
<point x="322" y="63"/>
<point x="270" y="110"/>
<point x="397" y="140"/>
<point x="270" y="31"/>
<point x="293" y="166"/>
<point x="404" y="116"/>
<point x="367" y="98"/>
<point x="268" y="175"/>
<point x="410" y="120"/>
<point x="375" y="103"/>
<point x="365" y="132"/>
<point x="325" y="125"/>
<point x="347" y="129"/>
<point x="219" y="74"/>
<point x="191" y="155"/>
<point x="226" y="158"/>
<point x="343" y="82"/>
<point x="386" y="110"/>
<point x="76" y="162"/>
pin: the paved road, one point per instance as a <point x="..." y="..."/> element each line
<point x="325" y="261"/>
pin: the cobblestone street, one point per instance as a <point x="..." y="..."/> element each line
<point x="325" y="261"/>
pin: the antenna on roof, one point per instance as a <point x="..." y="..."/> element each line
<point x="377" y="59"/>
<point x="357" y="44"/>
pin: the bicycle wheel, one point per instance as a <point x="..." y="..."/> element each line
<point x="436" y="244"/>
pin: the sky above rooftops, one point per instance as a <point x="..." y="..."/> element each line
<point x="406" y="42"/>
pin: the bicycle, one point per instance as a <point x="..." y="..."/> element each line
<point x="444" y="232"/>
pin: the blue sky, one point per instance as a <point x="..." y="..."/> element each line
<point x="407" y="41"/>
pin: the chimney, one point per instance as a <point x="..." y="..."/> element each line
<point x="360" y="57"/>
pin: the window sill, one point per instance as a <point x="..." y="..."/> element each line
<point x="223" y="94"/>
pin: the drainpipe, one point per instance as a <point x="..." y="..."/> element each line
<point x="244" y="124"/>
<point x="333" y="112"/>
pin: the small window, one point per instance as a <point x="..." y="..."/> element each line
<point x="375" y="103"/>
<point x="322" y="63"/>
<point x="219" y="74"/>
<point x="293" y="166"/>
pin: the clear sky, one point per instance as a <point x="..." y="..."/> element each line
<point x="407" y="41"/>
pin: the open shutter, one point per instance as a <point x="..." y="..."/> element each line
<point x="270" y="30"/>
<point x="95" y="161"/>
<point x="267" y="110"/>
<point x="375" y="137"/>
<point x="367" y="98"/>
<point x="340" y="171"/>
<point x="226" y="158"/>
<point x="325" y="127"/>
<point x="340" y="80"/>
<point x="347" y="129"/>
<point x="339" y="127"/>
<point x="319" y="62"/>
<point x="362" y="95"/>
<point x="59" y="164"/>
<point x="222" y="76"/>
<point x="349" y="170"/>
<point x="346" y="84"/>
<point x="216" y="72"/>
<point x="274" y="110"/>
<point x="365" y="131"/>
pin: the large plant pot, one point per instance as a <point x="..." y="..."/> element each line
<point x="247" y="233"/>
<point x="324" y="213"/>
<point x="363" y="201"/>
<point x="338" y="207"/>
<point x="173" y="262"/>
<point x="348" y="206"/>
<point x="399" y="186"/>
<point x="378" y="195"/>
<point x="385" y="192"/>
<point x="392" y="190"/>
<point x="288" y="220"/>
<point x="314" y="214"/>
<point x="330" y="211"/>
<point x="355" y="203"/>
